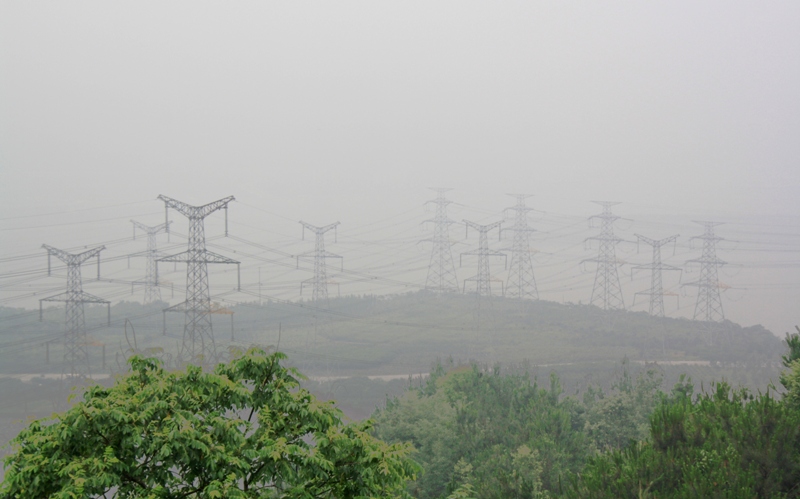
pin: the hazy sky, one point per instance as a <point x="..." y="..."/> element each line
<point x="348" y="111"/>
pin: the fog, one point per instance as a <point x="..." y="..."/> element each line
<point x="350" y="111"/>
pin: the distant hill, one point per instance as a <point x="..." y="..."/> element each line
<point x="403" y="334"/>
<point x="355" y="337"/>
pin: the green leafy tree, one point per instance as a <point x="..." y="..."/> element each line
<point x="790" y="378"/>
<point x="424" y="418"/>
<point x="246" y="430"/>
<point x="727" y="443"/>
<point x="622" y="416"/>
<point x="486" y="434"/>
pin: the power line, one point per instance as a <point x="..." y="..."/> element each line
<point x="441" y="269"/>
<point x="521" y="282"/>
<point x="319" y="283"/>
<point x="198" y="344"/>
<point x="483" y="279"/>
<point x="76" y="354"/>
<point x="656" y="291"/>
<point x="607" y="291"/>
<point x="709" y="303"/>
<point x="152" y="292"/>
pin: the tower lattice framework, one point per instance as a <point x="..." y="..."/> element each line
<point x="483" y="279"/>
<point x="319" y="282"/>
<point x="441" y="269"/>
<point x="76" y="353"/>
<point x="607" y="291"/>
<point x="656" y="291"/>
<point x="521" y="282"/>
<point x="152" y="293"/>
<point x="198" y="345"/>
<point x="709" y="303"/>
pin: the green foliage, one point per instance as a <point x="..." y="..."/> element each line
<point x="790" y="378"/>
<point x="616" y="419"/>
<point x="483" y="433"/>
<point x="727" y="443"/>
<point x="427" y="423"/>
<point x="246" y="430"/>
<point x="793" y="342"/>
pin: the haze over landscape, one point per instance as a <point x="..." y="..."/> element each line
<point x="349" y="111"/>
<point x="349" y="118"/>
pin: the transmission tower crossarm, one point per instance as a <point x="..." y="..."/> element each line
<point x="73" y="259"/>
<point x="660" y="242"/>
<point x="73" y="296"/>
<point x="190" y="211"/>
<point x="197" y="256"/>
<point x="482" y="228"/>
<point x="708" y="261"/>
<point x="324" y="254"/>
<point x="318" y="230"/>
<point x="150" y="229"/>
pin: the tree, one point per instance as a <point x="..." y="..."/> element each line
<point x="725" y="443"/>
<point x="246" y="430"/>
<point x="791" y="377"/>
<point x="486" y="434"/>
<point x="617" y="418"/>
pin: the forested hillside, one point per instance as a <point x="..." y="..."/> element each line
<point x="396" y="337"/>
<point x="403" y="334"/>
<point x="494" y="433"/>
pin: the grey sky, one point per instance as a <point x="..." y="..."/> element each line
<point x="347" y="111"/>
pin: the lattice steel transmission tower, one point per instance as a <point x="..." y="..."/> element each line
<point x="483" y="279"/>
<point x="76" y="353"/>
<point x="521" y="282"/>
<point x="198" y="344"/>
<point x="709" y="303"/>
<point x="656" y="292"/>
<point x="319" y="283"/>
<point x="442" y="269"/>
<point x="607" y="291"/>
<point x="152" y="293"/>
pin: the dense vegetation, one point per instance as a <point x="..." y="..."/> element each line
<point x="481" y="430"/>
<point x="249" y="430"/>
<point x="246" y="430"/>
<point x="483" y="433"/>
<point x="401" y="334"/>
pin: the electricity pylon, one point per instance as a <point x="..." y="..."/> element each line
<point x="441" y="270"/>
<point x="521" y="283"/>
<point x="709" y="303"/>
<point x="483" y="279"/>
<point x="319" y="283"/>
<point x="76" y="353"/>
<point x="152" y="293"/>
<point x="607" y="291"/>
<point x="198" y="337"/>
<point x="656" y="292"/>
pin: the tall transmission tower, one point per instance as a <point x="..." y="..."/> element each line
<point x="521" y="283"/>
<point x="198" y="337"/>
<point x="441" y="270"/>
<point x="76" y="353"/>
<point x="607" y="291"/>
<point x="152" y="293"/>
<point x="483" y="279"/>
<point x="656" y="292"/>
<point x="709" y="303"/>
<point x="319" y="283"/>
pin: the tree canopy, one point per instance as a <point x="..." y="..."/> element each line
<point x="486" y="433"/>
<point x="245" y="430"/>
<point x="723" y="443"/>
